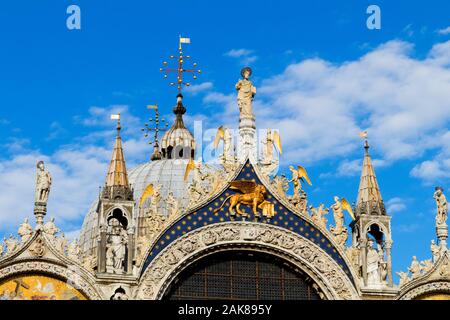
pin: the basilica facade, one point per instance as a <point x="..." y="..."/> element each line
<point x="177" y="228"/>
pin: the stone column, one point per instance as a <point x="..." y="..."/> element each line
<point x="247" y="138"/>
<point x="364" y="260"/>
<point x="40" y="210"/>
<point x="442" y="235"/>
<point x="388" y="246"/>
<point x="101" y="247"/>
<point x="130" y="250"/>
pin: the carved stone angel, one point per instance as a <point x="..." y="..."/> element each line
<point x="74" y="251"/>
<point x="25" y="231"/>
<point x="435" y="251"/>
<point x="50" y="228"/>
<point x="318" y="215"/>
<point x="403" y="278"/>
<point x="11" y="244"/>
<point x="415" y="268"/>
<point x="172" y="206"/>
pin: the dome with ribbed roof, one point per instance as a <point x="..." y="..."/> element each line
<point x="178" y="142"/>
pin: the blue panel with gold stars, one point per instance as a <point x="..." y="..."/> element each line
<point x="211" y="214"/>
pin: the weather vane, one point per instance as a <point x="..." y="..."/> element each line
<point x="156" y="129"/>
<point x="180" y="69"/>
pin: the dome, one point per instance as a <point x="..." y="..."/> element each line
<point x="169" y="173"/>
<point x="178" y="142"/>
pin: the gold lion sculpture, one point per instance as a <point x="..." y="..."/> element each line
<point x="252" y="196"/>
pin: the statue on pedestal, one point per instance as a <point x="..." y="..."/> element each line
<point x="441" y="206"/>
<point x="43" y="183"/>
<point x="116" y="247"/>
<point x="373" y="265"/>
<point x="246" y="93"/>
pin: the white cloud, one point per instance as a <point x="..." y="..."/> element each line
<point x="197" y="88"/>
<point x="320" y="107"/>
<point x="395" y="205"/>
<point x="444" y="31"/>
<point x="245" y="56"/>
<point x="78" y="170"/>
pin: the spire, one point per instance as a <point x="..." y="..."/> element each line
<point x="116" y="184"/>
<point x="369" y="199"/>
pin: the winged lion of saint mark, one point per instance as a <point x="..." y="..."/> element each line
<point x="252" y="195"/>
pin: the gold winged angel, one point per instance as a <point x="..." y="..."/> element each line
<point x="223" y="133"/>
<point x="339" y="231"/>
<point x="252" y="195"/>
<point x="299" y="175"/>
<point x="272" y="140"/>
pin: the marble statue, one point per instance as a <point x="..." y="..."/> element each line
<point x="426" y="265"/>
<point x="227" y="146"/>
<point x="11" y="244"/>
<point x="74" y="251"/>
<point x="155" y="200"/>
<point x="172" y="206"/>
<point x="281" y="185"/>
<point x="116" y="247"/>
<point x="339" y="231"/>
<point x="442" y="206"/>
<point x="354" y="255"/>
<point x="415" y="268"/>
<point x="268" y="148"/>
<point x="318" y="215"/>
<point x="300" y="201"/>
<point x="403" y="278"/>
<point x="246" y="93"/>
<point x="373" y="265"/>
<point x="435" y="251"/>
<point x="25" y="231"/>
<point x="43" y="183"/>
<point x="1" y="249"/>
<point x="382" y="264"/>
<point x="50" y="228"/>
<point x="61" y="243"/>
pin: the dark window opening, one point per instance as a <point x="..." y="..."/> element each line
<point x="236" y="275"/>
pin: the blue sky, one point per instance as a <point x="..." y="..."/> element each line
<point x="321" y="75"/>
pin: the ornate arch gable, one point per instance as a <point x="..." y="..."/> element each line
<point x="204" y="215"/>
<point x="301" y="252"/>
<point x="49" y="261"/>
<point x="437" y="279"/>
<point x="70" y="273"/>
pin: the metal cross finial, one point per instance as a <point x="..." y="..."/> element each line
<point x="180" y="70"/>
<point x="156" y="129"/>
